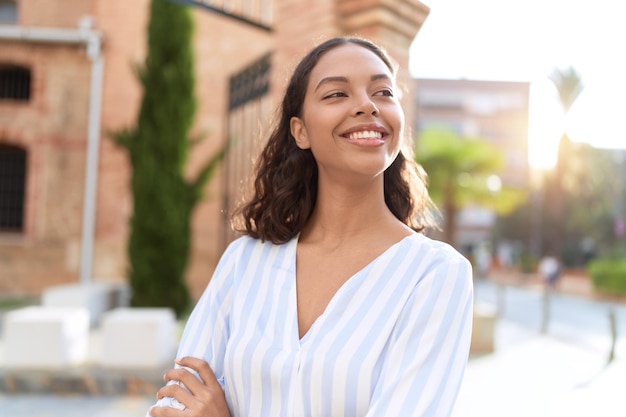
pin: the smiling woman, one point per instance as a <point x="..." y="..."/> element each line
<point x="332" y="304"/>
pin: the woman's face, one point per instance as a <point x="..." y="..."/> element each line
<point x="351" y="117"/>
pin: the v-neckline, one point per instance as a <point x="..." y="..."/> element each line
<point x="318" y="322"/>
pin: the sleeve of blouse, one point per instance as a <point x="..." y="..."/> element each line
<point x="428" y="350"/>
<point x="206" y="331"/>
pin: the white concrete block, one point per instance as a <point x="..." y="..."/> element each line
<point x="483" y="328"/>
<point x="138" y="337"/>
<point x="97" y="297"/>
<point x="45" y="337"/>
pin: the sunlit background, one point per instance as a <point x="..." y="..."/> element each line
<point x="526" y="41"/>
<point x="502" y="40"/>
<point x="481" y="65"/>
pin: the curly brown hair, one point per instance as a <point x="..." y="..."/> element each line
<point x="285" y="187"/>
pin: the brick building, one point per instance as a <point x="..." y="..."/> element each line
<point x="496" y="111"/>
<point x="66" y="79"/>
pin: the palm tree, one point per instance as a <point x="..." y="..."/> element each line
<point x="569" y="85"/>
<point x="459" y="171"/>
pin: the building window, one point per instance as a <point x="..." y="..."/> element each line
<point x="12" y="188"/>
<point x="249" y="102"/>
<point x="15" y="83"/>
<point x="8" y="12"/>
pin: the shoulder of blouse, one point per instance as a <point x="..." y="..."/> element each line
<point x="440" y="251"/>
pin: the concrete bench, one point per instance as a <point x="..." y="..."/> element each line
<point x="135" y="338"/>
<point x="45" y="337"/>
<point x="483" y="328"/>
<point x="97" y="297"/>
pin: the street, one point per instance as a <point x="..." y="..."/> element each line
<point x="575" y="320"/>
<point x="562" y="372"/>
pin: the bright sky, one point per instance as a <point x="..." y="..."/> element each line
<point x="512" y="40"/>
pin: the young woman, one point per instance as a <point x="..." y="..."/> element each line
<point x="332" y="304"/>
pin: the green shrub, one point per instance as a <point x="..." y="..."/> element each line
<point x="608" y="275"/>
<point x="159" y="144"/>
<point x="528" y="262"/>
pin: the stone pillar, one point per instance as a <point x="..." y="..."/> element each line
<point x="390" y="23"/>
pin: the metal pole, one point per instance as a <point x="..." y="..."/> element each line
<point x="613" y="327"/>
<point x="91" y="169"/>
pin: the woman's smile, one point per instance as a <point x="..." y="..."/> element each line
<point x="372" y="134"/>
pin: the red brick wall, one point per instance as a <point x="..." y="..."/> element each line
<point x="53" y="127"/>
<point x="53" y="13"/>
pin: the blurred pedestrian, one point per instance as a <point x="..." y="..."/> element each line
<point x="549" y="269"/>
<point x="482" y="260"/>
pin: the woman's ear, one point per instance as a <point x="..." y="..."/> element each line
<point x="298" y="131"/>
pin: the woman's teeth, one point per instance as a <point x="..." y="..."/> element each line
<point x="370" y="134"/>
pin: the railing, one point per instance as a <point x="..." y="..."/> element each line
<point x="249" y="109"/>
<point x="256" y="13"/>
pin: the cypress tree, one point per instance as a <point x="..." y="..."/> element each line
<point x="158" y="147"/>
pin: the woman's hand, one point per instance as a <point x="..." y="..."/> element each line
<point x="204" y="396"/>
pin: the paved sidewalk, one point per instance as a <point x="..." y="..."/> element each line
<point x="545" y="375"/>
<point x="22" y="405"/>
<point x="528" y="374"/>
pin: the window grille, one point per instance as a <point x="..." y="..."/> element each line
<point x="15" y="83"/>
<point x="255" y="13"/>
<point x="8" y="12"/>
<point x="12" y="188"/>
<point x="249" y="109"/>
<point x="250" y="84"/>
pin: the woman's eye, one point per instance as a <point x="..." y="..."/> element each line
<point x="336" y="94"/>
<point x="386" y="93"/>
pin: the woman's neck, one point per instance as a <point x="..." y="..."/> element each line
<point x="342" y="214"/>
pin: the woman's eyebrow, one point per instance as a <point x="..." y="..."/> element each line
<point x="345" y="79"/>
<point x="330" y="80"/>
<point x="381" y="77"/>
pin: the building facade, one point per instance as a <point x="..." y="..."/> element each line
<point x="67" y="79"/>
<point x="496" y="111"/>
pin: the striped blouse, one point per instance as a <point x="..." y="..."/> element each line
<point x="393" y="341"/>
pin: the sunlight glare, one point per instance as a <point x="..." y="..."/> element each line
<point x="596" y="117"/>
<point x="546" y="124"/>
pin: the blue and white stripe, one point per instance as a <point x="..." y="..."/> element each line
<point x="393" y="341"/>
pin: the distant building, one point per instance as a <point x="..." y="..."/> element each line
<point x="496" y="111"/>
<point x="67" y="78"/>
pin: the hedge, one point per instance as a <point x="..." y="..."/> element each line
<point x="608" y="275"/>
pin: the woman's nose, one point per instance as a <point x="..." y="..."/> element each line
<point x="366" y="106"/>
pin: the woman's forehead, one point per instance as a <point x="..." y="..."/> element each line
<point x="348" y="60"/>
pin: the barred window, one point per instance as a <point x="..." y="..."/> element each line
<point x="250" y="104"/>
<point x="12" y="187"/>
<point x="8" y="12"/>
<point x="14" y="83"/>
